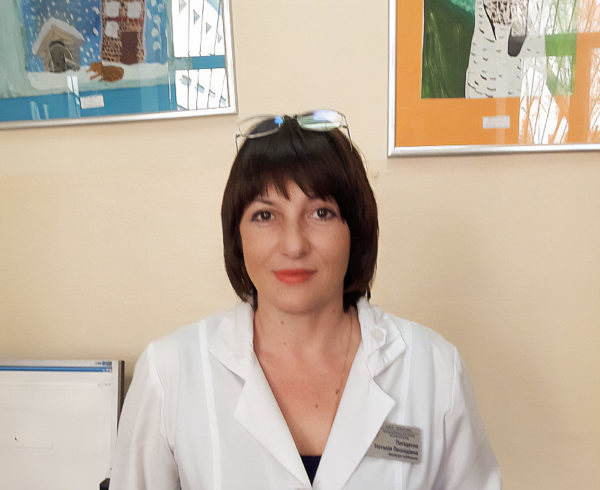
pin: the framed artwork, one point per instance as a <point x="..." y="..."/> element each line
<point x="486" y="76"/>
<point x="89" y="61"/>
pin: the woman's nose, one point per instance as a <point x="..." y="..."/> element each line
<point x="294" y="240"/>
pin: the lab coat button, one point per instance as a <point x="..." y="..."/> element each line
<point x="378" y="334"/>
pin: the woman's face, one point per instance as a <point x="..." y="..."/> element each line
<point x="296" y="250"/>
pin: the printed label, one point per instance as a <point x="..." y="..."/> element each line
<point x="92" y="101"/>
<point x="397" y="442"/>
<point x="496" y="122"/>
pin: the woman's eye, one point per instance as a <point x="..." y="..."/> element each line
<point x="324" y="213"/>
<point x="262" y="216"/>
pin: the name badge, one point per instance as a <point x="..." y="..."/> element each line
<point x="397" y="442"/>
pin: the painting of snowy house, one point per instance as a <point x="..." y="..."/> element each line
<point x="123" y="31"/>
<point x="58" y="45"/>
<point x="73" y="59"/>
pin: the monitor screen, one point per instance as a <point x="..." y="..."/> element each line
<point x="58" y="423"/>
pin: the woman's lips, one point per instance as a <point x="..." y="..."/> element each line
<point x="294" y="276"/>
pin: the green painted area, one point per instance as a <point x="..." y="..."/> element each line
<point x="447" y="34"/>
<point x="466" y="5"/>
<point x="13" y="78"/>
<point x="561" y="44"/>
<point x="560" y="65"/>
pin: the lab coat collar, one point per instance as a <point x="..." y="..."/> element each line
<point x="362" y="410"/>
<point x="382" y="340"/>
<point x="232" y="343"/>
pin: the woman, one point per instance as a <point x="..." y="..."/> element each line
<point x="304" y="376"/>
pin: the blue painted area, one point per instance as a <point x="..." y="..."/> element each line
<point x="117" y="101"/>
<point x="155" y="31"/>
<point x="135" y="100"/>
<point x="197" y="63"/>
<point x="83" y="15"/>
<point x="65" y="369"/>
<point x="216" y="4"/>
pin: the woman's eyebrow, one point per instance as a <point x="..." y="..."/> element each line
<point x="324" y="199"/>
<point x="262" y="200"/>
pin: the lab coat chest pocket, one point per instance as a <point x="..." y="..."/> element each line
<point x="377" y="473"/>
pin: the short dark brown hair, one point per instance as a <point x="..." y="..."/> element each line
<point x="322" y="164"/>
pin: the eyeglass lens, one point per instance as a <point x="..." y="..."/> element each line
<point x="260" y="126"/>
<point x="320" y="120"/>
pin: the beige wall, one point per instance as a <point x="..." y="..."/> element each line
<point x="110" y="237"/>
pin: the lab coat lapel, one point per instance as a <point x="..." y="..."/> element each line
<point x="364" y="405"/>
<point x="256" y="410"/>
<point x="362" y="411"/>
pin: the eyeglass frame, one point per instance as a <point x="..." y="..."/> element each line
<point x="264" y="117"/>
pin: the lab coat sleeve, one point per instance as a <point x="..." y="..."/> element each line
<point x="143" y="458"/>
<point x="469" y="462"/>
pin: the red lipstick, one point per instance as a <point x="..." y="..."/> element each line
<point x="294" y="276"/>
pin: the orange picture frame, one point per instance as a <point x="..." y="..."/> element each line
<point x="535" y="119"/>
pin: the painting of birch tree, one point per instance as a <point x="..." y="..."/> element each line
<point x="536" y="51"/>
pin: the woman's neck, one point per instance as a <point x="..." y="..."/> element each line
<point x="306" y="360"/>
<point x="309" y="335"/>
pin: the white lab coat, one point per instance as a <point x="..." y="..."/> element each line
<point x="200" y="414"/>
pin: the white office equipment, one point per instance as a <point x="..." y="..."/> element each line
<point x="58" y="423"/>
